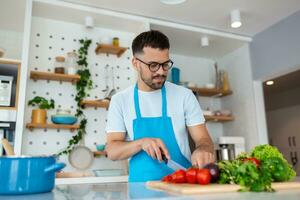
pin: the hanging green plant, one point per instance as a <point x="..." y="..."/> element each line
<point x="82" y="86"/>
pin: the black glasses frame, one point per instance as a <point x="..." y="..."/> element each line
<point x="155" y="65"/>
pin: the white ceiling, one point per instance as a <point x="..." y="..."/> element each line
<point x="257" y="15"/>
<point x="12" y="14"/>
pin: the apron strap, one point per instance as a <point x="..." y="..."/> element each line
<point x="164" y="102"/>
<point x="137" y="104"/>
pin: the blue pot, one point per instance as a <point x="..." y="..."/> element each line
<point x="27" y="174"/>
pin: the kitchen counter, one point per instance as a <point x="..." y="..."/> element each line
<point x="139" y="191"/>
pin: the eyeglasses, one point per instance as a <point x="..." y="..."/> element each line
<point x="154" y="66"/>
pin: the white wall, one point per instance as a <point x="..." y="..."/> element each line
<point x="241" y="102"/>
<point x="50" y="38"/>
<point x="11" y="42"/>
<point x="200" y="71"/>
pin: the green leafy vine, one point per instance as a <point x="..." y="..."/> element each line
<point x="82" y="86"/>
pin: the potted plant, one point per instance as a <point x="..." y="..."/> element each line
<point x="39" y="116"/>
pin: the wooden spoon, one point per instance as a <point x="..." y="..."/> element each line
<point x="7" y="147"/>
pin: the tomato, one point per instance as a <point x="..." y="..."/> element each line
<point x="255" y="161"/>
<point x="203" y="176"/>
<point x="191" y="175"/>
<point x="167" y="178"/>
<point x="179" y="176"/>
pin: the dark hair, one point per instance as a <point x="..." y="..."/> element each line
<point x="153" y="38"/>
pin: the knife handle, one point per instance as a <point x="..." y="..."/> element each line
<point x="164" y="157"/>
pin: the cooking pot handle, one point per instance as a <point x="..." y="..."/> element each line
<point x="55" y="167"/>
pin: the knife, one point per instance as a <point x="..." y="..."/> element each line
<point x="172" y="164"/>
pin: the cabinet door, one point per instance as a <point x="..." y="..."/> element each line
<point x="296" y="140"/>
<point x="281" y="141"/>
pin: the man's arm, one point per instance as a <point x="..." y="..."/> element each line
<point x="118" y="149"/>
<point x="204" y="152"/>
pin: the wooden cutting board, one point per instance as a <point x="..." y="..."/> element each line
<point x="211" y="188"/>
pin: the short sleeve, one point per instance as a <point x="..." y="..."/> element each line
<point x="115" y="118"/>
<point x="192" y="111"/>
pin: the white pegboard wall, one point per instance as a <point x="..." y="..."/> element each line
<point x="50" y="38"/>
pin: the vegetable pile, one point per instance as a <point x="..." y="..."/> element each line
<point x="254" y="171"/>
<point x="209" y="174"/>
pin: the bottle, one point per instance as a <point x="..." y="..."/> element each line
<point x="225" y="81"/>
<point x="59" y="65"/>
<point x="72" y="65"/>
<point x="116" y="41"/>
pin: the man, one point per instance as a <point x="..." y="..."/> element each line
<point x="153" y="117"/>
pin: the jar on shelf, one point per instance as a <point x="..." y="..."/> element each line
<point x="59" y="65"/>
<point x="72" y="65"/>
<point x="116" y="41"/>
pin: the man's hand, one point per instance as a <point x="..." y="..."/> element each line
<point x="200" y="158"/>
<point x="154" y="147"/>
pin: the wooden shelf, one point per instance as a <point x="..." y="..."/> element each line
<point x="210" y="118"/>
<point x="31" y="126"/>
<point x="95" y="103"/>
<point x="207" y="92"/>
<point x="110" y="49"/>
<point x="7" y="108"/>
<point x="99" y="153"/>
<point x="36" y="75"/>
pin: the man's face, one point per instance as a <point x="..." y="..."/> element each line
<point x="155" y="80"/>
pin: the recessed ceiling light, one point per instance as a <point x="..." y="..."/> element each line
<point x="235" y="16"/>
<point x="269" y="82"/>
<point x="172" y="2"/>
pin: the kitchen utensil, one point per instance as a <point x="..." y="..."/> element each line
<point x="113" y="90"/>
<point x="226" y="152"/>
<point x="211" y="188"/>
<point x="27" y="174"/>
<point x="63" y="119"/>
<point x="172" y="164"/>
<point x="81" y="157"/>
<point x="7" y="147"/>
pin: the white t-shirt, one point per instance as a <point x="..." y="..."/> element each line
<point x="182" y="107"/>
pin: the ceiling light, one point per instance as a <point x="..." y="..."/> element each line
<point x="172" y="2"/>
<point x="269" y="82"/>
<point x="235" y="16"/>
<point x="204" y="41"/>
<point x="89" y="22"/>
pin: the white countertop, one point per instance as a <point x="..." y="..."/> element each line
<point x="139" y="191"/>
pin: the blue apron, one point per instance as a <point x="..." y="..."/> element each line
<point x="141" y="166"/>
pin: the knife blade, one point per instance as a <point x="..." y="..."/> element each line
<point x="172" y="164"/>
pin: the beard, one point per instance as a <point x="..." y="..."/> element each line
<point x="155" y="82"/>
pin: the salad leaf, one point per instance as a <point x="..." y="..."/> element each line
<point x="263" y="152"/>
